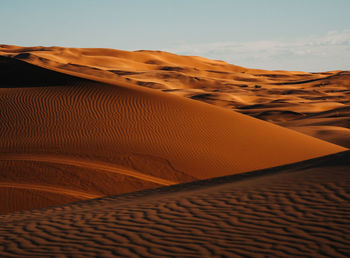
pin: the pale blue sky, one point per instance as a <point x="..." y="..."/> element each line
<point x="309" y="35"/>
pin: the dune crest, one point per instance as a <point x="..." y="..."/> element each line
<point x="73" y="103"/>
<point x="282" y="97"/>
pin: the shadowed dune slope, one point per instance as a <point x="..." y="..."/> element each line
<point x="299" y="210"/>
<point x="55" y="120"/>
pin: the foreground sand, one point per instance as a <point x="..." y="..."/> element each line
<point x="297" y="210"/>
<point x="73" y="127"/>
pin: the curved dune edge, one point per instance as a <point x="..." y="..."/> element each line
<point x="301" y="209"/>
<point x="273" y="96"/>
<point x="180" y="104"/>
<point x="87" y="164"/>
<point x="50" y="189"/>
<point x="83" y="115"/>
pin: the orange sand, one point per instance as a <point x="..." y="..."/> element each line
<point x="77" y="124"/>
<point x="301" y="210"/>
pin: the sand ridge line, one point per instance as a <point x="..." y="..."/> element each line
<point x="51" y="189"/>
<point x="107" y="167"/>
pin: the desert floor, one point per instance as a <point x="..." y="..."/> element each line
<point x="197" y="157"/>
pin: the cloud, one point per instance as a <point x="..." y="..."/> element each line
<point x="327" y="52"/>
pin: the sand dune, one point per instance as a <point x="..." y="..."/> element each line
<point x="69" y="108"/>
<point x="69" y="112"/>
<point x="87" y="164"/>
<point x="332" y="125"/>
<point x="80" y="124"/>
<point x="274" y="96"/>
<point x="299" y="210"/>
<point x="50" y="189"/>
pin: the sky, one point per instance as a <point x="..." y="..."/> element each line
<point x="307" y="35"/>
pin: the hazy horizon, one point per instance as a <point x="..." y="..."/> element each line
<point x="276" y="35"/>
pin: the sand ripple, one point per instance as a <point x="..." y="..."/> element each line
<point x="297" y="210"/>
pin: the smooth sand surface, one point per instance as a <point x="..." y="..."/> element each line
<point x="299" y="210"/>
<point x="72" y="119"/>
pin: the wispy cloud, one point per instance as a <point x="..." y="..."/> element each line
<point x="315" y="53"/>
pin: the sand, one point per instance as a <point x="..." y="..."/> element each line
<point x="198" y="157"/>
<point x="274" y="96"/>
<point x="84" y="125"/>
<point x="299" y="210"/>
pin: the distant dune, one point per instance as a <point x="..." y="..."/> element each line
<point x="77" y="123"/>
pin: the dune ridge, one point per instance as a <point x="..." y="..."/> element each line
<point x="50" y="189"/>
<point x="87" y="163"/>
<point x="94" y="115"/>
<point x="280" y="97"/>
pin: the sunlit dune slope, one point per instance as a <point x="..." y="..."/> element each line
<point x="270" y="95"/>
<point x="67" y="135"/>
<point x="275" y="96"/>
